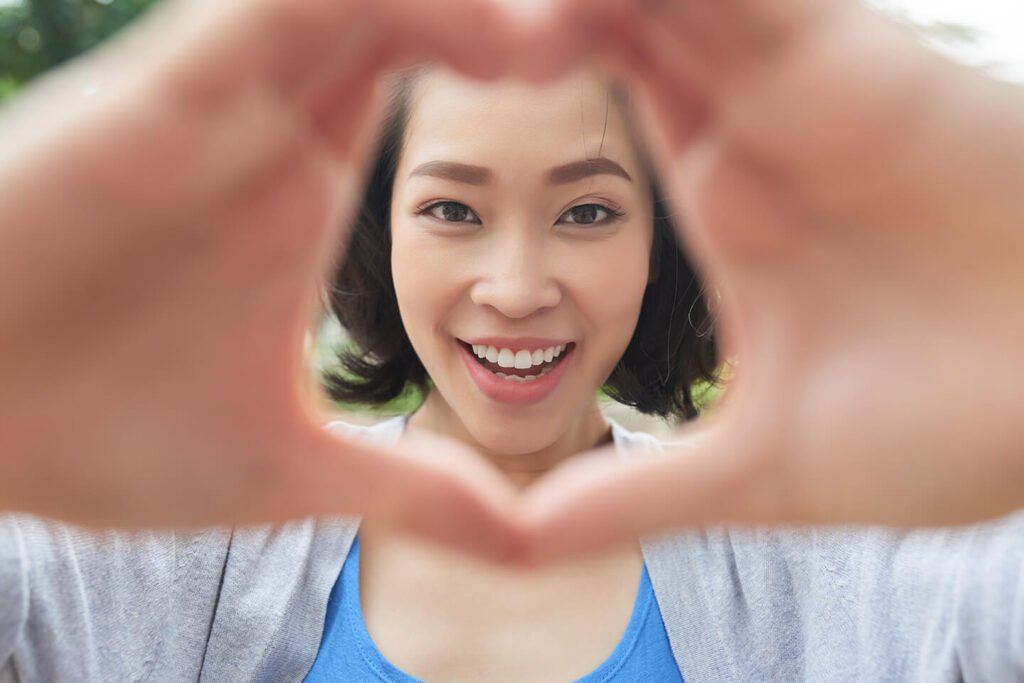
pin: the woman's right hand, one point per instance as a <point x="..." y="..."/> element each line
<point x="856" y="202"/>
<point x="171" y="205"/>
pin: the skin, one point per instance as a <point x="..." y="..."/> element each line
<point x="854" y="199"/>
<point x="438" y="615"/>
<point x="515" y="266"/>
<point x="175" y="345"/>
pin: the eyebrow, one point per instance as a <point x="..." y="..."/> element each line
<point x="469" y="174"/>
<point x="454" y="171"/>
<point x="578" y="170"/>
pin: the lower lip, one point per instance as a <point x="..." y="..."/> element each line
<point x="503" y="391"/>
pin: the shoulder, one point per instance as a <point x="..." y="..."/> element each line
<point x="629" y="443"/>
<point x="388" y="430"/>
<point x="74" y="588"/>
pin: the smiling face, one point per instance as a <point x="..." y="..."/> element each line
<point x="521" y="226"/>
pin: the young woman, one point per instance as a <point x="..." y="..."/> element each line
<point x="511" y="258"/>
<point x="165" y="420"/>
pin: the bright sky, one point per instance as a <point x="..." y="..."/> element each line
<point x="1001" y="23"/>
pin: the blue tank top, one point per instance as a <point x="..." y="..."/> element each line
<point x="347" y="652"/>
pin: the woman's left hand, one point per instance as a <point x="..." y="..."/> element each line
<point x="856" y="201"/>
<point x="166" y="231"/>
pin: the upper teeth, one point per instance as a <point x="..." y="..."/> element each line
<point x="521" y="360"/>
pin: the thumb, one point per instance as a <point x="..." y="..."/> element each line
<point x="425" y="485"/>
<point x="603" y="499"/>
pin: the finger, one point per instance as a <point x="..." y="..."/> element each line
<point x="290" y="45"/>
<point x="604" y="499"/>
<point x="712" y="35"/>
<point x="346" y="112"/>
<point x="671" y="110"/>
<point x="466" y="502"/>
<point x="477" y="37"/>
<point x="546" y="43"/>
<point x="689" y="36"/>
<point x="602" y="32"/>
<point x="426" y="486"/>
<point x="636" y="44"/>
<point x="737" y="34"/>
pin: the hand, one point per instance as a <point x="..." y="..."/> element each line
<point x="856" y="202"/>
<point x="194" y="204"/>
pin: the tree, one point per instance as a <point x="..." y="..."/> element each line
<point x="37" y="35"/>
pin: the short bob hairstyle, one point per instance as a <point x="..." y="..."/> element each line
<point x="672" y="347"/>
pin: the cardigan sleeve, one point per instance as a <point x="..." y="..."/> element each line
<point x="13" y="587"/>
<point x="92" y="605"/>
<point x="989" y="626"/>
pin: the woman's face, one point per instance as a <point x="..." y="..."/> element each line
<point x="521" y="228"/>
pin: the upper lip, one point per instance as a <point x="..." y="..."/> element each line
<point x="515" y="342"/>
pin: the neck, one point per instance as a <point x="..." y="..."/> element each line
<point x="589" y="429"/>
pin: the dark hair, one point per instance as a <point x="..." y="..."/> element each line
<point x="671" y="349"/>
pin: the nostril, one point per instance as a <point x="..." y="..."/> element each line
<point x="516" y="297"/>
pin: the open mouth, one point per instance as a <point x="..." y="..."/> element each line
<point x="519" y="366"/>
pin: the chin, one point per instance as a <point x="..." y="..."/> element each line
<point x="513" y="439"/>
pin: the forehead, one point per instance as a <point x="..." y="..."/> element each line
<point x="515" y="126"/>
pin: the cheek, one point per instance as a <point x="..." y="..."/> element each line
<point x="609" y="293"/>
<point x="609" y="289"/>
<point x="428" y="286"/>
<point x="415" y="282"/>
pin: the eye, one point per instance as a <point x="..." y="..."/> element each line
<point x="451" y="212"/>
<point x="588" y="214"/>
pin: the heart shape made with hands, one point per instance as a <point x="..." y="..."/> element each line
<point x="765" y="119"/>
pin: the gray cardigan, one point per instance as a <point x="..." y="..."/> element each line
<point x="739" y="605"/>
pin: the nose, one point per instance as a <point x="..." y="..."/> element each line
<point x="516" y="278"/>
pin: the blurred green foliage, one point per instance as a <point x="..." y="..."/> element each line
<point x="37" y="35"/>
